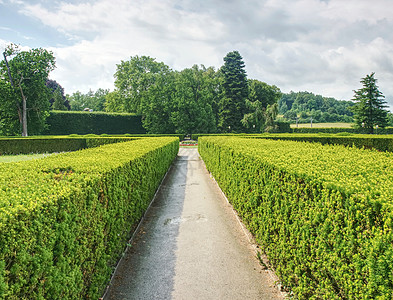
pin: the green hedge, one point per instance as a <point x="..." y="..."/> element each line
<point x="379" y="142"/>
<point x="388" y="130"/>
<point x="64" y="122"/>
<point x="322" y="213"/>
<point x="65" y="219"/>
<point x="12" y="146"/>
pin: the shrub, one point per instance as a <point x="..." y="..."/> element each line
<point x="379" y="142"/>
<point x="25" y="145"/>
<point x="322" y="213"/>
<point x="65" y="219"/>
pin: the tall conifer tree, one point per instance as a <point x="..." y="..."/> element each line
<point x="235" y="92"/>
<point x="369" y="111"/>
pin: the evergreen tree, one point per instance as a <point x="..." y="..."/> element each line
<point x="235" y="92"/>
<point x="369" y="110"/>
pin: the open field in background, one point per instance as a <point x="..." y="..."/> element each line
<point x="323" y="125"/>
<point x="15" y="158"/>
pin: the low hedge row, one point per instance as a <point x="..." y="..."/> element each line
<point x="13" y="146"/>
<point x="387" y="130"/>
<point x="65" y="219"/>
<point x="322" y="213"/>
<point x="379" y="142"/>
<point x="68" y="122"/>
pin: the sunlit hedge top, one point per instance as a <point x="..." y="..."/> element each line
<point x="24" y="185"/>
<point x="350" y="170"/>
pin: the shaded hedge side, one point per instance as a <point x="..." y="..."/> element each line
<point x="63" y="123"/>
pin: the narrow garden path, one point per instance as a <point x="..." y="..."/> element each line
<point x="190" y="245"/>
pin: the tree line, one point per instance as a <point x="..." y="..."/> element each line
<point x="193" y="100"/>
<point x="196" y="99"/>
<point x="301" y="106"/>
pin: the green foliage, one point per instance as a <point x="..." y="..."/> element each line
<point x="145" y="86"/>
<point x="235" y="92"/>
<point x="57" y="96"/>
<point x="261" y="105"/>
<point x="58" y="101"/>
<point x="196" y="99"/>
<point x="91" y="100"/>
<point x="9" y="119"/>
<point x="390" y="119"/>
<point x="64" y="122"/>
<point x="113" y="102"/>
<point x="323" y="214"/>
<point x="380" y="143"/>
<point x="388" y="130"/>
<point x="321" y="109"/>
<point x="65" y="219"/>
<point x="13" y="146"/>
<point x="193" y="102"/>
<point x="29" y="71"/>
<point x="134" y="80"/>
<point x="370" y="107"/>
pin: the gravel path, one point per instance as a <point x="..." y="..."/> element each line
<point x="190" y="245"/>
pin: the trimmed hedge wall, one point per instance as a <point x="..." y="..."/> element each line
<point x="65" y="122"/>
<point x="322" y="213"/>
<point x="66" y="219"/>
<point x="12" y="146"/>
<point x="379" y="142"/>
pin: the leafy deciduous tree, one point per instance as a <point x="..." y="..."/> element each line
<point x="146" y="87"/>
<point x="261" y="96"/>
<point x="29" y="95"/>
<point x="92" y="100"/>
<point x="193" y="100"/>
<point x="134" y="78"/>
<point x="113" y="102"/>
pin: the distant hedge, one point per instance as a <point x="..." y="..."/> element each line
<point x="66" y="122"/>
<point x="367" y="141"/>
<point x="12" y="146"/>
<point x="388" y="130"/>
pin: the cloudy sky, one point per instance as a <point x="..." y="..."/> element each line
<point x="321" y="46"/>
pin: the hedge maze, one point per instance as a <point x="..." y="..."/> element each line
<point x="319" y="205"/>
<point x="66" y="219"/>
<point x="322" y="213"/>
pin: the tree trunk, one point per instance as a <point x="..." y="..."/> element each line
<point x="24" y="113"/>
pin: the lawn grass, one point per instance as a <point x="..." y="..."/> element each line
<point x="22" y="157"/>
<point x="323" y="125"/>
